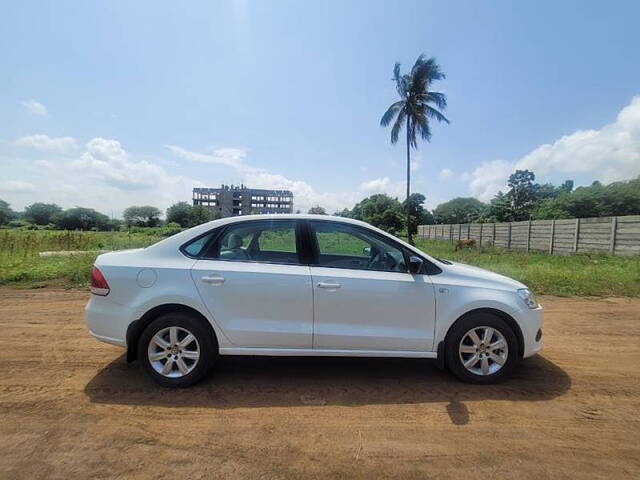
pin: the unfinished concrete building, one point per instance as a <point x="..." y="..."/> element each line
<point x="230" y="200"/>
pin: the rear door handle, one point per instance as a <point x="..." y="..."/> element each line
<point x="213" y="279"/>
<point x="328" y="285"/>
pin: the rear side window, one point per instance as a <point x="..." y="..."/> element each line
<point x="271" y="241"/>
<point x="278" y="239"/>
<point x="195" y="247"/>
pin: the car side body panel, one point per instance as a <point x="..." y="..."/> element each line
<point x="258" y="305"/>
<point x="143" y="279"/>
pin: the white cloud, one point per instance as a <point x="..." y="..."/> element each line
<point x="16" y="186"/>
<point x="613" y="151"/>
<point x="415" y="164"/>
<point x="106" y="161"/>
<point x="48" y="144"/>
<point x="232" y="157"/>
<point x="609" y="154"/>
<point x="489" y="178"/>
<point x="305" y="196"/>
<point x="445" y="173"/>
<point x="35" y="108"/>
<point x="377" y="185"/>
<point x="103" y="175"/>
<point x="384" y="185"/>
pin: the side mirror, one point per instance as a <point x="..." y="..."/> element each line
<point x="415" y="264"/>
<point x="366" y="251"/>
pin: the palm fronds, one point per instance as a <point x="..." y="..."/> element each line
<point x="417" y="101"/>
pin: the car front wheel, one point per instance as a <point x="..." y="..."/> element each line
<point x="177" y="350"/>
<point x="481" y="348"/>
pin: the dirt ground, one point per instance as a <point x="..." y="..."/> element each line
<point x="70" y="407"/>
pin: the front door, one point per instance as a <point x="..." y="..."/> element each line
<point x="255" y="287"/>
<point x="364" y="297"/>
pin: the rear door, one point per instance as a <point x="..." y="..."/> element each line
<point x="255" y="286"/>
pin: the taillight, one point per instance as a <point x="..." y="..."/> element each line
<point x="99" y="285"/>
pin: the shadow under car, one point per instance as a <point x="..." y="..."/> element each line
<point x="239" y="381"/>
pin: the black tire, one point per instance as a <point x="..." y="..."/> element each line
<point x="460" y="329"/>
<point x="206" y="344"/>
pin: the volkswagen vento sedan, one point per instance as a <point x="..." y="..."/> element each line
<point x="304" y="285"/>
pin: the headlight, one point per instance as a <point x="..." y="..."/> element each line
<point x="528" y="297"/>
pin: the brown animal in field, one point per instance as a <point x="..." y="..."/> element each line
<point x="460" y="244"/>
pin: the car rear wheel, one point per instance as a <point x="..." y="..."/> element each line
<point x="481" y="348"/>
<point x="177" y="350"/>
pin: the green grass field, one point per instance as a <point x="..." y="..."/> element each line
<point x="581" y="275"/>
<point x="21" y="266"/>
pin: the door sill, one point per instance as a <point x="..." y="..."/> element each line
<point x="308" y="352"/>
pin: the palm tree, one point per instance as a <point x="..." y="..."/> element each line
<point x="415" y="108"/>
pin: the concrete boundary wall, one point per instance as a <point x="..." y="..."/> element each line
<point x="615" y="235"/>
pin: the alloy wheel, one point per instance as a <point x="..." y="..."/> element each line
<point x="483" y="350"/>
<point x="173" y="352"/>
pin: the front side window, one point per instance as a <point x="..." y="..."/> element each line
<point x="272" y="241"/>
<point x="349" y="246"/>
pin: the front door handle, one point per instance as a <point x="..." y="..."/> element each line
<point x="333" y="285"/>
<point x="213" y="279"/>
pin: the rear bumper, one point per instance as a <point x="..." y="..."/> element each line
<point x="113" y="341"/>
<point x="107" y="320"/>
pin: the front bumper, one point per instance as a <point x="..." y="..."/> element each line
<point x="531" y="325"/>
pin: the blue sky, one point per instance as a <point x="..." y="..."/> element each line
<point x="109" y="104"/>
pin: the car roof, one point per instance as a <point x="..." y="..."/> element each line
<point x="287" y="216"/>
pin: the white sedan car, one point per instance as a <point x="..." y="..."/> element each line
<point x="305" y="285"/>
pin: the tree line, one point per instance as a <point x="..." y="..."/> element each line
<point x="525" y="200"/>
<point x="51" y="216"/>
<point x="528" y="200"/>
<point x="379" y="210"/>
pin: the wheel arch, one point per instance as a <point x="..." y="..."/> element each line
<point x="492" y="311"/>
<point x="136" y="327"/>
